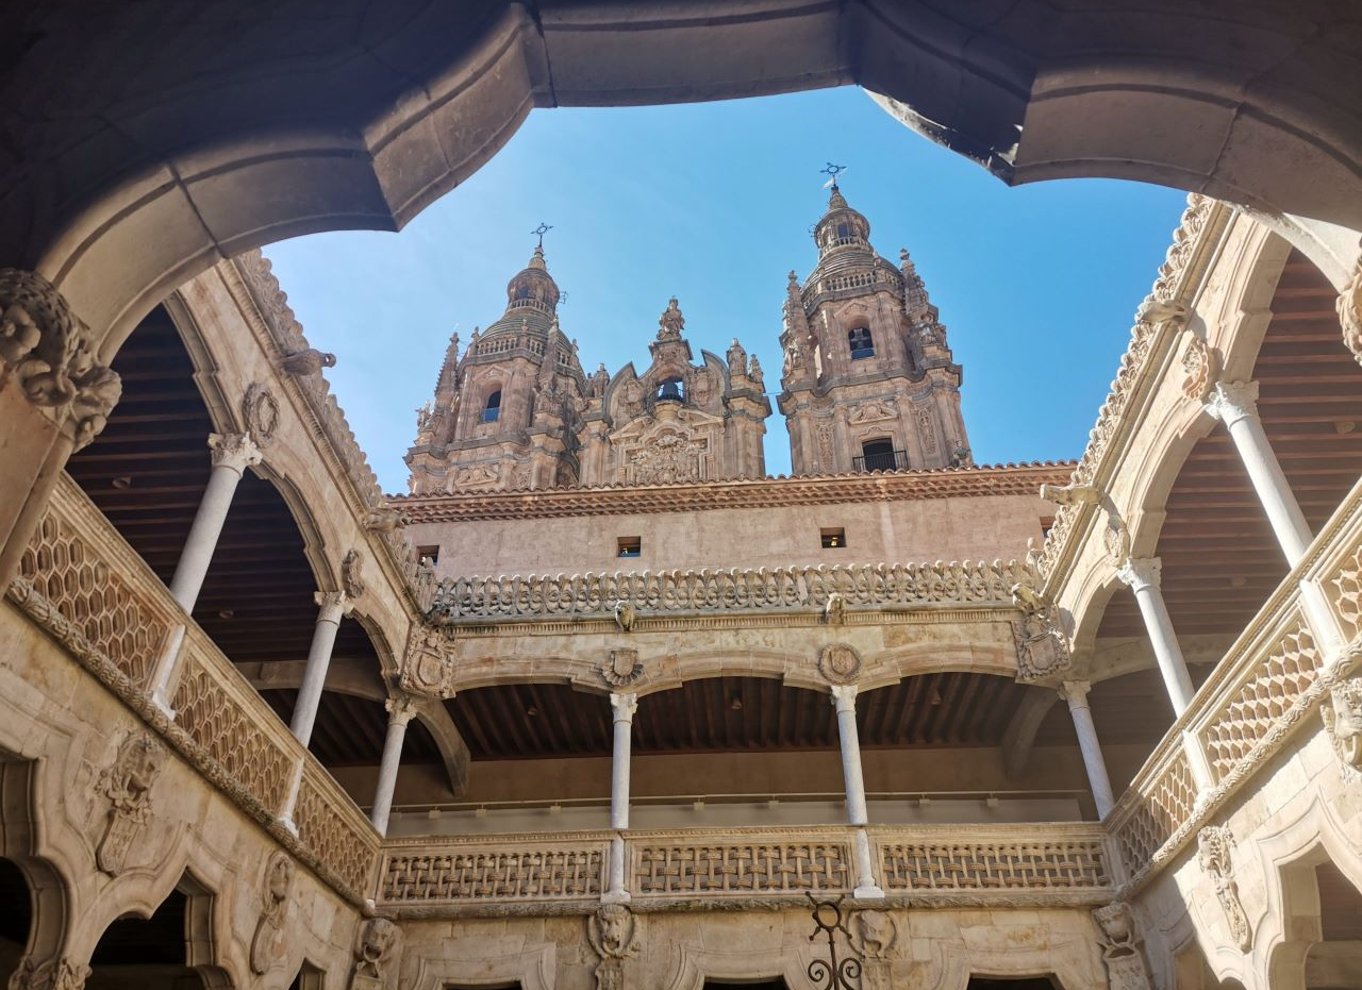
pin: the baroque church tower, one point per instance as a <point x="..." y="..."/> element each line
<point x="868" y="381"/>
<point x="515" y="410"/>
<point x="503" y="412"/>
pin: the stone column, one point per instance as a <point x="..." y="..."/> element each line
<point x="1236" y="405"/>
<point x="844" y="700"/>
<point x="401" y="710"/>
<point x="623" y="705"/>
<point x="232" y="453"/>
<point x="334" y="606"/>
<point x="1142" y="576"/>
<point x="1076" y="694"/>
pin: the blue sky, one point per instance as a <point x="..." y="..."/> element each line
<point x="713" y="203"/>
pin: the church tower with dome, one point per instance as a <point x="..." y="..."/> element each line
<point x="868" y="381"/>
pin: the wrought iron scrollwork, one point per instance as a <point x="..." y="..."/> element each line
<point x="832" y="974"/>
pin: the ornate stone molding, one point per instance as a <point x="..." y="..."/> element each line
<point x="614" y="936"/>
<point x="1214" y="843"/>
<point x="332" y="605"/>
<point x="237" y="451"/>
<point x="379" y="941"/>
<point x="1120" y="948"/>
<point x="1342" y="716"/>
<point x="268" y="943"/>
<point x="48" y="352"/>
<point x="352" y="573"/>
<point x="60" y="974"/>
<point x="626" y="595"/>
<point x="1200" y="369"/>
<point x="1140" y="572"/>
<point x="127" y="785"/>
<point x="1230" y="402"/>
<point x="401" y="708"/>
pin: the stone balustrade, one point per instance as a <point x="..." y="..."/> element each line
<point x="1036" y="864"/>
<point x="1266" y="688"/>
<point x="879" y="586"/>
<point x="90" y="591"/>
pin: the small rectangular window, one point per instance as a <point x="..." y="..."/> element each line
<point x="833" y="538"/>
<point x="630" y="546"/>
<point x="1046" y="522"/>
<point x="431" y="553"/>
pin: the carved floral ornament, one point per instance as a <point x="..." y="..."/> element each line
<point x="47" y="351"/>
<point x="1214" y="843"/>
<point x="1350" y="313"/>
<point x="1201" y="369"/>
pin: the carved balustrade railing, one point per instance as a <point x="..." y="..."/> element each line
<point x="1272" y="678"/>
<point x="1039" y="864"/>
<point x="884" y="586"/>
<point x="92" y="593"/>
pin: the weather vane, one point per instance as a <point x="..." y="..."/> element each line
<point x="832" y="171"/>
<point x="540" y="231"/>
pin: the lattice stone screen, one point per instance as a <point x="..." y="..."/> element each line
<point x="742" y="868"/>
<point x="994" y="866"/>
<point x="511" y="874"/>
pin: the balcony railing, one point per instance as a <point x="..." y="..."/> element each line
<point x="888" y="460"/>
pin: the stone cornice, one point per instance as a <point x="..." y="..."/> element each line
<point x="755" y="493"/>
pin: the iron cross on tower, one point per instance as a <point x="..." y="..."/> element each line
<point x="832" y="171"/>
<point x="540" y="231"/>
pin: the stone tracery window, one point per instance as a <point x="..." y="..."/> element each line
<point x="862" y="344"/>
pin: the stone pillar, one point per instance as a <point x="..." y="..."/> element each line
<point x="401" y="711"/>
<point x="232" y="453"/>
<point x="844" y="700"/>
<point x="623" y="705"/>
<point x="334" y="606"/>
<point x="1142" y="576"/>
<point x="1076" y="694"/>
<point x="1236" y="405"/>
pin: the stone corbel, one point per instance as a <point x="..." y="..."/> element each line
<point x="47" y="351"/>
<point x="613" y="934"/>
<point x="379" y="941"/>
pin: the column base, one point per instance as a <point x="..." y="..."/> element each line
<point x="870" y="892"/>
<point x="615" y="897"/>
<point x="163" y="706"/>
<point x="290" y="826"/>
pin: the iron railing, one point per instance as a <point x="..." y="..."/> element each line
<point x="887" y="460"/>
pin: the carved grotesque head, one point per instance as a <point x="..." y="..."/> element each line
<point x="377" y="939"/>
<point x="1342" y="715"/>
<point x="1116" y="923"/>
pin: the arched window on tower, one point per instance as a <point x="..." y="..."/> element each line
<point x="862" y="344"/>
<point x="879" y="455"/>
<point x="491" y="410"/>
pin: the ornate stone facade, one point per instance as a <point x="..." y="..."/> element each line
<point x="868" y="382"/>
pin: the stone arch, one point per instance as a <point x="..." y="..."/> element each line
<point x="1070" y="965"/>
<point x="691" y="965"/>
<point x="49" y="908"/>
<point x="466" y="962"/>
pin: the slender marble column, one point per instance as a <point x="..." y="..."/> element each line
<point x="232" y="453"/>
<point x="1236" y="405"/>
<point x="401" y="710"/>
<point x="1076" y="694"/>
<point x="623" y="705"/>
<point x="844" y="700"/>
<point x="334" y="606"/>
<point x="1142" y="575"/>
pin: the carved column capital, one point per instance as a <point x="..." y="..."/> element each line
<point x="333" y="604"/>
<point x="1140" y="572"/>
<point x="1075" y="693"/>
<point x="844" y="697"/>
<point x="402" y="708"/>
<point x="624" y="704"/>
<point x="234" y="450"/>
<point x="1231" y="402"/>
<point x="48" y="351"/>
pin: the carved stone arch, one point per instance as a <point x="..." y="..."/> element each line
<point x="1290" y="914"/>
<point x="315" y="547"/>
<point x="691" y="965"/>
<point x="207" y="932"/>
<point x="1074" y="964"/>
<point x="222" y="410"/>
<point x="50" y="894"/>
<point x="467" y="964"/>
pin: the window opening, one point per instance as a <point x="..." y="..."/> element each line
<point x="430" y="553"/>
<point x="834" y="538"/>
<point x="671" y="390"/>
<point x="880" y="455"/>
<point x="630" y="546"/>
<point x="862" y="345"/>
<point x="491" y="411"/>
